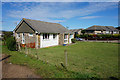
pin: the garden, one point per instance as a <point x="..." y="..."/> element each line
<point x="84" y="60"/>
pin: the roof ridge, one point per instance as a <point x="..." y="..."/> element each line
<point x="40" y="21"/>
<point x="46" y="26"/>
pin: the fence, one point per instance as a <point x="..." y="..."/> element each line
<point x="34" y="53"/>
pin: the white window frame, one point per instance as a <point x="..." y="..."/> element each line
<point x="54" y="36"/>
<point x="114" y="32"/>
<point x="23" y="38"/>
<point x="46" y="38"/>
<point x="31" y="34"/>
<point x="107" y="32"/>
<point x="65" y="36"/>
<point x="18" y="35"/>
<point x="71" y="36"/>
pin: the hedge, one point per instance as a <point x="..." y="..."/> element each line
<point x="101" y="36"/>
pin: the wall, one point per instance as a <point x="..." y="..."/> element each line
<point x="70" y="37"/>
<point x="49" y="42"/>
<point x="97" y="32"/>
<point x="79" y="32"/>
<point x="61" y="39"/>
<point x="116" y="32"/>
<point x="29" y="40"/>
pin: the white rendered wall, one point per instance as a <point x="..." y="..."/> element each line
<point x="49" y="42"/>
<point x="70" y="39"/>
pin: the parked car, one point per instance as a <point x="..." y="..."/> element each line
<point x="79" y="39"/>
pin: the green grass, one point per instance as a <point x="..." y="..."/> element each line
<point x="41" y="68"/>
<point x="85" y="60"/>
<point x="99" y="59"/>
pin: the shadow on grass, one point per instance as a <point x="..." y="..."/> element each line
<point x="5" y="58"/>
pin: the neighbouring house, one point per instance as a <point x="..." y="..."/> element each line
<point x="101" y="30"/>
<point x="40" y="34"/>
<point x="76" y="31"/>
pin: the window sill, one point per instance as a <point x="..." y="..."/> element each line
<point x="45" y="39"/>
<point x="55" y="39"/>
<point x="65" y="39"/>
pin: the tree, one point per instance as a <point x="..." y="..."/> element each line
<point x="7" y="34"/>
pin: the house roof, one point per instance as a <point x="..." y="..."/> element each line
<point x="102" y="28"/>
<point x="75" y="30"/>
<point x="44" y="27"/>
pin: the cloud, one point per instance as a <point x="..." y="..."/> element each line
<point x="90" y="17"/>
<point x="56" y="11"/>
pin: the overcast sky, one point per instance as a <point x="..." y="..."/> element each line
<point x="74" y="15"/>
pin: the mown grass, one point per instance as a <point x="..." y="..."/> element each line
<point x="85" y="60"/>
<point x="41" y="68"/>
<point x="96" y="58"/>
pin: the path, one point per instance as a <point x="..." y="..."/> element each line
<point x="17" y="71"/>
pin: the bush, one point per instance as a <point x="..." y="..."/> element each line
<point x="116" y="36"/>
<point x="100" y="36"/>
<point x="73" y="40"/>
<point x="7" y="35"/>
<point x="11" y="43"/>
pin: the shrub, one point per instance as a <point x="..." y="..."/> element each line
<point x="77" y="35"/>
<point x="73" y="40"/>
<point x="116" y="36"/>
<point x="11" y="43"/>
<point x="7" y="35"/>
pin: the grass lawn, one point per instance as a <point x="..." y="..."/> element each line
<point x="99" y="59"/>
<point x="85" y="59"/>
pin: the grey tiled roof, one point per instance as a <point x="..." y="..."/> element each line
<point x="46" y="27"/>
<point x="75" y="30"/>
<point x="103" y="28"/>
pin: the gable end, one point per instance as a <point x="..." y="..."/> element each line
<point x="24" y="28"/>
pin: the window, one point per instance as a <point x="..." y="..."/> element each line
<point x="23" y="38"/>
<point x="71" y="36"/>
<point x="30" y="34"/>
<point x="45" y="36"/>
<point x="65" y="41"/>
<point x="54" y="36"/>
<point x="18" y="35"/>
<point x="65" y="36"/>
<point x="107" y="32"/>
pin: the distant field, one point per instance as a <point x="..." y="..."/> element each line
<point x="98" y="59"/>
<point x="88" y="58"/>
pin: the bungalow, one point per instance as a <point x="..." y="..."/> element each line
<point x="41" y="34"/>
<point x="101" y="30"/>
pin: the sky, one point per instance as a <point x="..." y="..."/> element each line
<point x="73" y="15"/>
